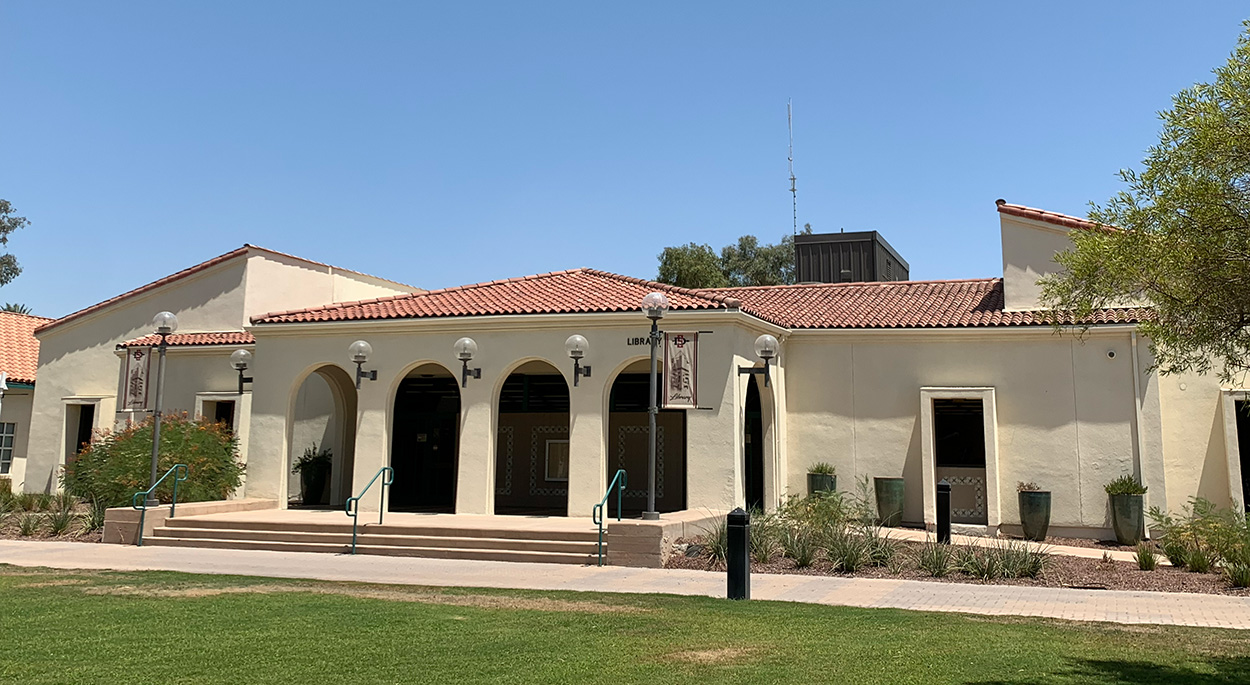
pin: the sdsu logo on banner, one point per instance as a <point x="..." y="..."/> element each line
<point x="137" y="364"/>
<point x="681" y="370"/>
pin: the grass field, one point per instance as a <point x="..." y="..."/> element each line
<point x="105" y="627"/>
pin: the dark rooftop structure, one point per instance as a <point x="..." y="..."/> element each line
<point x="847" y="258"/>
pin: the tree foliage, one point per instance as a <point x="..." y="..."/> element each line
<point x="15" y="308"/>
<point x="1181" y="236"/>
<point x="9" y="269"/>
<point x="745" y="263"/>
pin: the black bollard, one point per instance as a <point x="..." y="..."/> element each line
<point x="944" y="511"/>
<point x="738" y="554"/>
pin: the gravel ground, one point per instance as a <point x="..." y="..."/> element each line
<point x="9" y="528"/>
<point x="1061" y="571"/>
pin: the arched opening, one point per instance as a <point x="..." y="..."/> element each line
<point x="753" y="447"/>
<point x="425" y="441"/>
<point x="532" y="455"/>
<point x="628" y="443"/>
<point x="322" y="423"/>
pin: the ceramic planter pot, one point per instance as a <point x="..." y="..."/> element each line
<point x="313" y="480"/>
<point x="889" y="493"/>
<point x="1128" y="518"/>
<point x="821" y="482"/>
<point x="1035" y="513"/>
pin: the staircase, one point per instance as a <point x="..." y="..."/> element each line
<point x="481" y="538"/>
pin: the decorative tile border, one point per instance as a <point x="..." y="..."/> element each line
<point x="508" y="433"/>
<point x="534" y="489"/>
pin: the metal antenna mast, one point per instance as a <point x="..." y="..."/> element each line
<point x="794" y="193"/>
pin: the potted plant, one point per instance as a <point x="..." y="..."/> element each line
<point x="821" y="477"/>
<point x="1128" y="517"/>
<point x="889" y="492"/>
<point x="1034" y="510"/>
<point x="314" y="474"/>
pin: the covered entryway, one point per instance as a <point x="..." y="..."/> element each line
<point x="320" y="426"/>
<point x="628" y="444"/>
<point x="753" y="448"/>
<point x="959" y="451"/>
<point x="532" y="452"/>
<point x="425" y="441"/>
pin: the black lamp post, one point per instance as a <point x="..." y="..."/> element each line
<point x="165" y="323"/>
<point x="653" y="305"/>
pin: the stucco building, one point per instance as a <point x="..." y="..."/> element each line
<point x="19" y="363"/>
<point x="963" y="380"/>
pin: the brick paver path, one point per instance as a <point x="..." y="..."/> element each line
<point x="1082" y="605"/>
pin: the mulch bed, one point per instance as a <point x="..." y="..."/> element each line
<point x="1062" y="572"/>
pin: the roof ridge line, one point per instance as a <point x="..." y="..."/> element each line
<point x="988" y="279"/>
<point x="693" y="292"/>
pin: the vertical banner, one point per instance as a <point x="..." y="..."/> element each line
<point x="681" y="370"/>
<point x="138" y="362"/>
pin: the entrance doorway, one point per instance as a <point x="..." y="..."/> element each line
<point x="425" y="441"/>
<point x="320" y="425"/>
<point x="959" y="455"/>
<point x="532" y="453"/>
<point x="628" y="442"/>
<point x="1242" y="407"/>
<point x="753" y="448"/>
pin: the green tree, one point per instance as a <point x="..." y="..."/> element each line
<point x="9" y="269"/>
<point x="745" y="263"/>
<point x="691" y="266"/>
<point x="1181" y="236"/>
<point x="15" y="308"/>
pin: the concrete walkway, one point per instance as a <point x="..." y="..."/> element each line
<point x="1219" y="611"/>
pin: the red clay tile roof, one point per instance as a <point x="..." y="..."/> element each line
<point x="242" y="251"/>
<point x="577" y="291"/>
<point x="902" y="304"/>
<point x="906" y="304"/>
<point x="193" y="339"/>
<point x="1050" y="217"/>
<point x="19" y="349"/>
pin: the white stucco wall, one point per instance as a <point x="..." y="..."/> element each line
<point x="279" y="283"/>
<point x="1029" y="249"/>
<point x="16" y="407"/>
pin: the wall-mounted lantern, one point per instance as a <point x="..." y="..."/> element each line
<point x="241" y="360"/>
<point x="766" y="348"/>
<point x="359" y="352"/>
<point x="576" y="346"/>
<point x="465" y="348"/>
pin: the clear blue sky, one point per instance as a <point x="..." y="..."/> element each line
<point x="447" y="143"/>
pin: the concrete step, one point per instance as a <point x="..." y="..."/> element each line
<point x="384" y="550"/>
<point x="344" y="525"/>
<point x="374" y="539"/>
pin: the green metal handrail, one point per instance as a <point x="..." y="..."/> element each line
<point x="596" y="514"/>
<point x="390" y="478"/>
<point x="179" y="476"/>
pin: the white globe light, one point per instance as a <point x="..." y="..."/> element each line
<point x="165" y="323"/>
<point x="241" y="359"/>
<point x="465" y="348"/>
<point x="766" y="347"/>
<point x="655" y="304"/>
<point x="576" y="346"/>
<point x="359" y="351"/>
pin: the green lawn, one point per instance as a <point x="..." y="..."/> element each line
<point x="84" y="627"/>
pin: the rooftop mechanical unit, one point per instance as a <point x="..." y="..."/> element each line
<point x="847" y="258"/>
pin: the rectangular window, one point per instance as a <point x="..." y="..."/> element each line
<point x="8" y="433"/>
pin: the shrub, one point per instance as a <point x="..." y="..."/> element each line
<point x="43" y="502"/>
<point x="1202" y="536"/>
<point x="881" y="549"/>
<point x="800" y="545"/>
<point x="28" y="524"/>
<point x="116" y="465"/>
<point x="312" y="459"/>
<point x="980" y="562"/>
<point x="1238" y="574"/>
<point x="1146" y="558"/>
<point x="1125" y="485"/>
<point x="1199" y="559"/>
<point x="716" y="539"/>
<point x="1022" y="486"/>
<point x="764" y="535"/>
<point x="1175" y="551"/>
<point x="6" y="487"/>
<point x="849" y="552"/>
<point x="93" y="519"/>
<point x="63" y="501"/>
<point x="823" y="468"/>
<point x="26" y="501"/>
<point x="59" y="521"/>
<point x="1018" y="559"/>
<point x="935" y="558"/>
